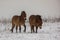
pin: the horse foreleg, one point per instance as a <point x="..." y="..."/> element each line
<point x="36" y="29"/>
<point x="24" y="28"/>
<point x="12" y="27"/>
<point x="16" y="28"/>
<point x="19" y="28"/>
<point x="32" y="28"/>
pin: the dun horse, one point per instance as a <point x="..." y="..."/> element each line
<point x="18" y="21"/>
<point x="35" y="21"/>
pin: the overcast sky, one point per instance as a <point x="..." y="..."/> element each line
<point x="46" y="8"/>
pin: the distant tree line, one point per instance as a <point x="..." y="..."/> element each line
<point x="44" y="20"/>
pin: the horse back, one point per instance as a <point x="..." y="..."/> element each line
<point x="38" y="20"/>
<point x="15" y="19"/>
<point x="18" y="20"/>
<point x="35" y="20"/>
<point x="32" y="19"/>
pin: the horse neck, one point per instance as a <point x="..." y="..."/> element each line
<point x="22" y="16"/>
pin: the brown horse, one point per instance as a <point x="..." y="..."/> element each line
<point x="35" y="21"/>
<point x="18" y="21"/>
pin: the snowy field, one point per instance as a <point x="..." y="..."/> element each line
<point x="49" y="31"/>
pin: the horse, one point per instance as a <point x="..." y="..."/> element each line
<point x="35" y="21"/>
<point x="18" y="21"/>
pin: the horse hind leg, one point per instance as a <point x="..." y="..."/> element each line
<point x="19" y="28"/>
<point x="12" y="28"/>
<point x="16" y="28"/>
<point x="24" y="28"/>
<point x="36" y="29"/>
<point x="32" y="29"/>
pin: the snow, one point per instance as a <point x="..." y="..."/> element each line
<point x="49" y="31"/>
<point x="46" y="8"/>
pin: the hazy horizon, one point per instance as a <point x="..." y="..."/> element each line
<point x="46" y="8"/>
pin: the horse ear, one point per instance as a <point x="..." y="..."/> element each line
<point x="40" y="15"/>
<point x="23" y="12"/>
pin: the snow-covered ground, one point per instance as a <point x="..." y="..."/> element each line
<point x="49" y="31"/>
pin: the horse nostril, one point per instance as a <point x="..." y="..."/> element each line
<point x="25" y="18"/>
<point x="40" y="27"/>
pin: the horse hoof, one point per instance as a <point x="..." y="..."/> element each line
<point x="19" y="31"/>
<point x="24" y="30"/>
